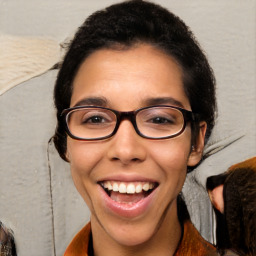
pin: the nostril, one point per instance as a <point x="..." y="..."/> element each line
<point x="127" y="160"/>
<point x="127" y="157"/>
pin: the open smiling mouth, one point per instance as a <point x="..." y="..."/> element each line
<point x="128" y="192"/>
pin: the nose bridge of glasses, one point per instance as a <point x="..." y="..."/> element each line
<point x="127" y="115"/>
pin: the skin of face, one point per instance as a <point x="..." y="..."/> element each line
<point x="216" y="196"/>
<point x="127" y="80"/>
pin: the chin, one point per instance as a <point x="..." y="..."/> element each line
<point x="129" y="232"/>
<point x="133" y="237"/>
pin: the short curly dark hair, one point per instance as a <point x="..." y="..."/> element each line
<point x="126" y="24"/>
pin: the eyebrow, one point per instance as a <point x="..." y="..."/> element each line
<point x="95" y="101"/>
<point x="103" y="102"/>
<point x="163" y="100"/>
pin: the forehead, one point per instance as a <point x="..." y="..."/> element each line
<point x="131" y="76"/>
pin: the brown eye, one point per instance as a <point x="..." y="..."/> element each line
<point x="95" y="120"/>
<point x="161" y="120"/>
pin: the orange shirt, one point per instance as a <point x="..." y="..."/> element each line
<point x="192" y="243"/>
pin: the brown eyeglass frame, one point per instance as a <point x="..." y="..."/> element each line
<point x="188" y="116"/>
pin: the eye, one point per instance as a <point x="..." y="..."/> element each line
<point x="157" y="117"/>
<point x="95" y="119"/>
<point x="161" y="120"/>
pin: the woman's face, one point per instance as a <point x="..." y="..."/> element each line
<point x="126" y="80"/>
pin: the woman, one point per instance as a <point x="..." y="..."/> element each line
<point x="135" y="100"/>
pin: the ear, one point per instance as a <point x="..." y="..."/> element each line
<point x="216" y="197"/>
<point x="67" y="156"/>
<point x="197" y="149"/>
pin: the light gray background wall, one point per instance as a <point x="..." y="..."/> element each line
<point x="37" y="197"/>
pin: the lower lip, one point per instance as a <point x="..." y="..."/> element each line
<point x="127" y="210"/>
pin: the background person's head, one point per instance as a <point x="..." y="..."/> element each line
<point x="233" y="195"/>
<point x="128" y="24"/>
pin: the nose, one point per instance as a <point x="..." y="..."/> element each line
<point x="126" y="145"/>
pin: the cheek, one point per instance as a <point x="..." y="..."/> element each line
<point x="83" y="156"/>
<point x="171" y="154"/>
<point x="172" y="158"/>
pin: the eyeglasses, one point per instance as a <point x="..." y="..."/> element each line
<point x="98" y="123"/>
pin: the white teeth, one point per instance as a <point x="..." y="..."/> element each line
<point x="108" y="185"/>
<point x="145" y="187"/>
<point x="115" y="187"/>
<point x="129" y="188"/>
<point x="138" y="188"/>
<point x="122" y="188"/>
